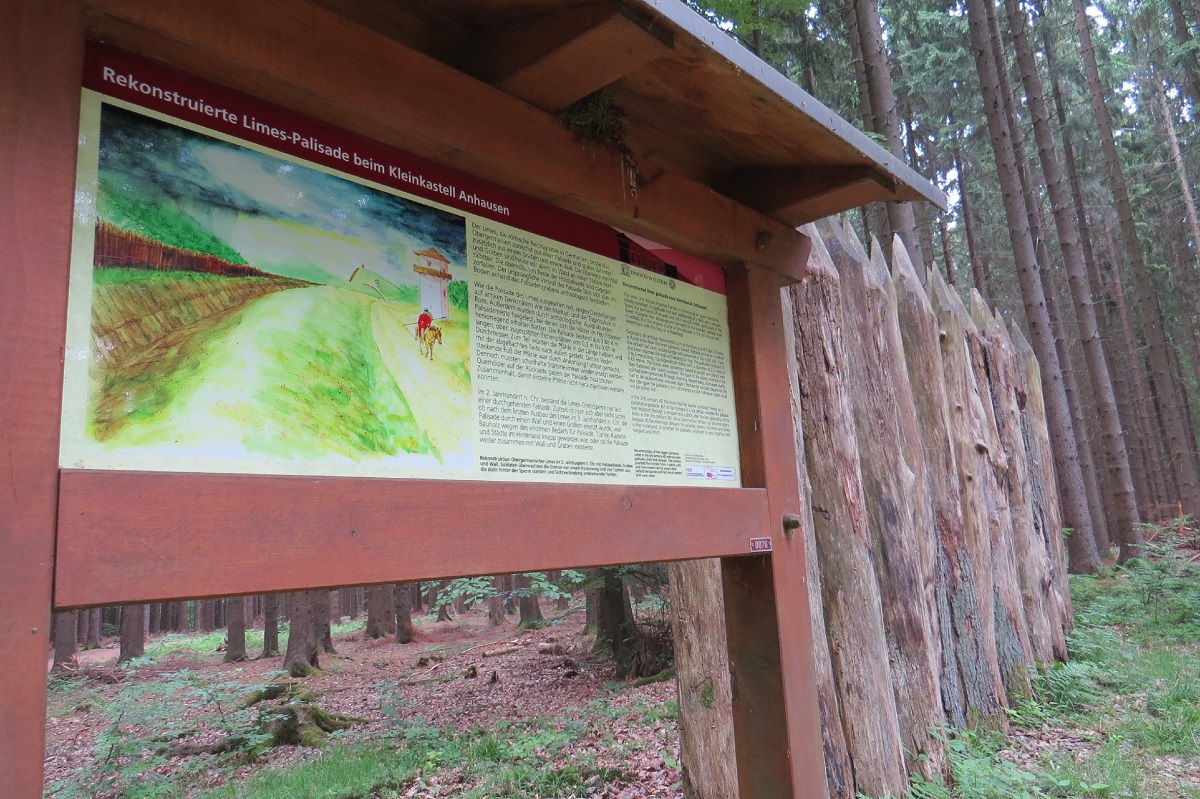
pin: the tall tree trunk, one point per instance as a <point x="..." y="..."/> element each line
<point x="527" y="601"/>
<point x="1076" y="401"/>
<point x="851" y="600"/>
<point x="1121" y="391"/>
<point x="1188" y="62"/>
<point x="1083" y="551"/>
<point x="270" y="625"/>
<point x="381" y="611"/>
<point x="885" y="120"/>
<point x="979" y="272"/>
<point x="501" y="587"/>
<point x="235" y="621"/>
<point x="1179" y="433"/>
<point x="94" y="628"/>
<point x="1120" y="502"/>
<point x="1156" y="453"/>
<point x="82" y="624"/>
<point x="206" y="616"/>
<point x="133" y="633"/>
<point x="66" y="632"/>
<point x="404" y="610"/>
<point x="308" y="616"/>
<point x="328" y="611"/>
<point x="704" y="691"/>
<point x="615" y="625"/>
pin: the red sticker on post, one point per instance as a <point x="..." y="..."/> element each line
<point x="760" y="545"/>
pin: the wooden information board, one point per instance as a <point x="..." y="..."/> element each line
<point x="109" y="503"/>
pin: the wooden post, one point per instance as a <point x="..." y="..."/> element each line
<point x="41" y="52"/>
<point x="775" y="710"/>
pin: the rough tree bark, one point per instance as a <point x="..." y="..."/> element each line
<point x="970" y="676"/>
<point x="235" y="620"/>
<point x="404" y="609"/>
<point x="1029" y="550"/>
<point x="1119" y="500"/>
<point x="982" y="675"/>
<point x="66" y="631"/>
<point x="270" y="625"/>
<point x="1043" y="491"/>
<point x="705" y="694"/>
<point x="1083" y="552"/>
<point x="133" y="633"/>
<point x="381" y="611"/>
<point x="308" y="616"/>
<point x="1178" y="429"/>
<point x="1013" y="647"/>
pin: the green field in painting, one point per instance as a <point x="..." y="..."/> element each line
<point x="295" y="375"/>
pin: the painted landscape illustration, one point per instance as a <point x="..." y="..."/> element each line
<point x="246" y="307"/>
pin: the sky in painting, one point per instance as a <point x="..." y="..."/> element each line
<point x="281" y="216"/>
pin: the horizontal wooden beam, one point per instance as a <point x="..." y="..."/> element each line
<point x="318" y="63"/>
<point x="551" y="60"/>
<point x="799" y="195"/>
<point x="148" y="536"/>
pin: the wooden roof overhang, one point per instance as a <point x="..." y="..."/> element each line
<point x="697" y="103"/>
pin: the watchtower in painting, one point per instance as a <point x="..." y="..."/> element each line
<point x="433" y="271"/>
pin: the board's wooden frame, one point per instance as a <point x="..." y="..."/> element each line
<point x="78" y="538"/>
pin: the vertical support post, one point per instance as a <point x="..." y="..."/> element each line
<point x="775" y="710"/>
<point x="41" y="56"/>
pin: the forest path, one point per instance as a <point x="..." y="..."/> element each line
<point x="440" y="399"/>
<point x="291" y="375"/>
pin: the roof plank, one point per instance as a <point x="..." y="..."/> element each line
<point x="552" y="60"/>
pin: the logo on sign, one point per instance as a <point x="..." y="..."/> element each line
<point x="760" y="545"/>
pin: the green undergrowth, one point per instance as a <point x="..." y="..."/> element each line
<point x="520" y="759"/>
<point x="203" y="644"/>
<point x="1122" y="718"/>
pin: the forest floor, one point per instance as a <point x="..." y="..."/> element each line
<point x="469" y="710"/>
<point x="466" y="709"/>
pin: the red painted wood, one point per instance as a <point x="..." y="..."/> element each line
<point x="142" y="536"/>
<point x="776" y="716"/>
<point x="41" y="52"/>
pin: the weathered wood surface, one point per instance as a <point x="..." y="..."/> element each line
<point x="850" y="589"/>
<point x="1012" y="636"/>
<point x="40" y="61"/>
<point x="1043" y="486"/>
<point x="986" y="698"/>
<point x="342" y="531"/>
<point x="1029" y="551"/>
<point x="898" y="516"/>
<point x="838" y="774"/>
<point x="958" y="604"/>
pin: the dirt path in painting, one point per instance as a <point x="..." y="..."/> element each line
<point x="440" y="400"/>
<point x="288" y="375"/>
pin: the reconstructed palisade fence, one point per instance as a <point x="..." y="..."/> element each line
<point x="932" y="522"/>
